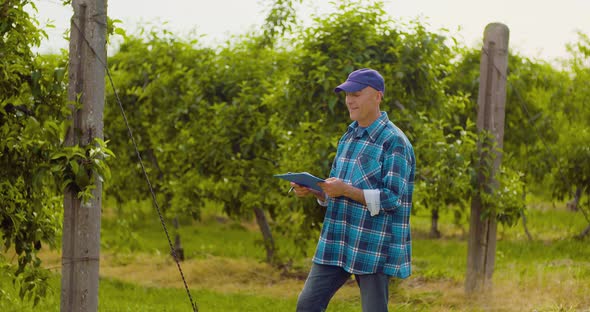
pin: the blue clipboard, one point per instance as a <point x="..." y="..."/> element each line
<point x="302" y="178"/>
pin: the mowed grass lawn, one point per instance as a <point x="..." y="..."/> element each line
<point x="225" y="269"/>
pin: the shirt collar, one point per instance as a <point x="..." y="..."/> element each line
<point x="373" y="130"/>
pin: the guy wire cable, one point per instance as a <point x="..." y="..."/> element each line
<point x="155" y="202"/>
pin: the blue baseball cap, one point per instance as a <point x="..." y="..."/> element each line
<point x="360" y="79"/>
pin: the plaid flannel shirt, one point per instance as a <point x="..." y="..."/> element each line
<point x="378" y="157"/>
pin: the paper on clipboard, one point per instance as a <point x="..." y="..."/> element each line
<point x="302" y="178"/>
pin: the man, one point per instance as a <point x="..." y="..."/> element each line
<point x="366" y="229"/>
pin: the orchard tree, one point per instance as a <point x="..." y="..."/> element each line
<point x="533" y="90"/>
<point x="444" y="182"/>
<point x="415" y="64"/>
<point x="571" y="175"/>
<point x="204" y="122"/>
<point x="157" y="77"/>
<point x="241" y="140"/>
<point x="32" y="127"/>
<point x="534" y="93"/>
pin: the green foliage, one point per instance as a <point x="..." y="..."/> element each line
<point x="214" y="125"/>
<point x="32" y="283"/>
<point x="19" y="33"/>
<point x="158" y="83"/>
<point x="535" y="92"/>
<point x="572" y="170"/>
<point x="532" y="93"/>
<point x="205" y="121"/>
<point x="572" y="152"/>
<point x="509" y="198"/>
<point x="77" y="168"/>
<point x="33" y="118"/>
<point x="505" y="200"/>
<point x="496" y="187"/>
<point x="36" y="166"/>
<point x="280" y="20"/>
<point x="415" y="64"/>
<point x="445" y="177"/>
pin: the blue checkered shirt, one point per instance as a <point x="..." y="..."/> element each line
<point x="378" y="157"/>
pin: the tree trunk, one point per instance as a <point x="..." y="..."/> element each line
<point x="269" y="243"/>
<point x="177" y="245"/>
<point x="572" y="205"/>
<point x="434" y="232"/>
<point x="523" y="216"/>
<point x="526" y="230"/>
<point x="584" y="232"/>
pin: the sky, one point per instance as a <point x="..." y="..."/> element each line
<point x="539" y="29"/>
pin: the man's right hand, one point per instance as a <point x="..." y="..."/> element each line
<point x="302" y="191"/>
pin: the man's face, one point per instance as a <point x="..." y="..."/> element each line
<point x="363" y="106"/>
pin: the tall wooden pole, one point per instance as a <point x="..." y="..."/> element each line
<point x="81" y="225"/>
<point x="490" y="119"/>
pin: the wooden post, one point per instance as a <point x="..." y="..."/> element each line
<point x="490" y="119"/>
<point x="81" y="225"/>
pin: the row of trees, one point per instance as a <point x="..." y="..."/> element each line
<point x="32" y="128"/>
<point x="217" y="124"/>
<point x="214" y="124"/>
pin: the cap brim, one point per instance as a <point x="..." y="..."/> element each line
<point x="350" y="86"/>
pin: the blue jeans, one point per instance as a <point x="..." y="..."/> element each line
<point x="324" y="280"/>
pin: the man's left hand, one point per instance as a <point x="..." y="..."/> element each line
<point x="334" y="187"/>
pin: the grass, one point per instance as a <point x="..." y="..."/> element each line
<point x="115" y="295"/>
<point x="225" y="271"/>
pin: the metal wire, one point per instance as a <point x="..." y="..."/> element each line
<point x="130" y="132"/>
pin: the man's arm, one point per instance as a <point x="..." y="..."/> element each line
<point x="334" y="187"/>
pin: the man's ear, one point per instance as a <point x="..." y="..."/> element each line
<point x="380" y="95"/>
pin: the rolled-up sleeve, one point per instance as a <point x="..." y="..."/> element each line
<point x="396" y="170"/>
<point x="373" y="200"/>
